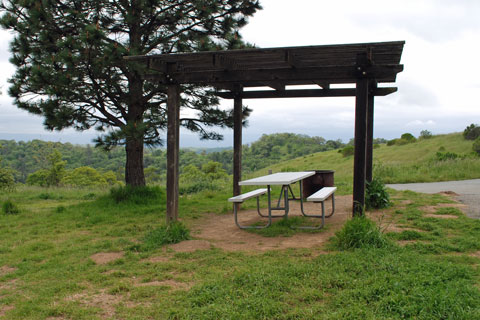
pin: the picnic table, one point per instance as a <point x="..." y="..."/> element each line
<point x="285" y="180"/>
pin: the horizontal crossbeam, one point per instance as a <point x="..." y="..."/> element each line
<point x="302" y="93"/>
<point x="337" y="74"/>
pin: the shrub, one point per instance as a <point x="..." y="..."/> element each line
<point x="359" y="232"/>
<point x="444" y="156"/>
<point x="172" y="233"/>
<point x="9" y="207"/>
<point x="425" y="134"/>
<point x="376" y="196"/>
<point x="38" y="178"/>
<point x="391" y="142"/>
<point x="471" y="132"/>
<point x="7" y="182"/>
<point x="476" y="146"/>
<point x="408" y="137"/>
<point x="84" y="177"/>
<point x="136" y="195"/>
<point x="348" y="151"/>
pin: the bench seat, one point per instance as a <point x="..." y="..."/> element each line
<point x="245" y="196"/>
<point x="322" y="194"/>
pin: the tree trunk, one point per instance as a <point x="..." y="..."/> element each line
<point x="134" y="175"/>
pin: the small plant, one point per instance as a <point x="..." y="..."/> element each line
<point x="10" y="207"/>
<point x="444" y="156"/>
<point x="172" y="233"/>
<point x="376" y="196"/>
<point x="60" y="209"/>
<point x="359" y="232"/>
<point x="45" y="196"/>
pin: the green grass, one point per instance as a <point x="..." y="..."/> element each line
<point x="49" y="250"/>
<point x="46" y="270"/>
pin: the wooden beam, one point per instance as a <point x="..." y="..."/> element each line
<point x="359" y="162"/>
<point x="342" y="74"/>
<point x="370" y="118"/>
<point x="173" y="139"/>
<point x="237" y="141"/>
<point x="302" y="93"/>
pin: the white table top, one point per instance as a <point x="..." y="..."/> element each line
<point x="280" y="178"/>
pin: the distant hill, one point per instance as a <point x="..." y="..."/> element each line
<point x="28" y="157"/>
<point x="440" y="158"/>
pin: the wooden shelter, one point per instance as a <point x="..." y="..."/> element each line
<point x="229" y="72"/>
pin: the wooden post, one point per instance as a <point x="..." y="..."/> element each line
<point x="369" y="170"/>
<point x="173" y="146"/>
<point x="237" y="141"/>
<point x="359" y="165"/>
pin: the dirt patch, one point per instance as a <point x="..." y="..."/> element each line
<point x="5" y="309"/>
<point x="9" y="285"/>
<point x="6" y="270"/>
<point x="475" y="254"/>
<point x="441" y="216"/>
<point x="448" y="193"/>
<point x="165" y="283"/>
<point x="106" y="257"/>
<point x="102" y="300"/>
<point x="221" y="231"/>
<point x="190" y="246"/>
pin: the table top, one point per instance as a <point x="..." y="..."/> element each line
<point x="280" y="178"/>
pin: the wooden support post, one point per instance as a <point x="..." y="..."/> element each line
<point x="173" y="146"/>
<point x="237" y="141"/>
<point x="369" y="170"/>
<point x="359" y="166"/>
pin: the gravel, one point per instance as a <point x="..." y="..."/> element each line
<point x="468" y="192"/>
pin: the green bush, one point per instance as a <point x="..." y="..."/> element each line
<point x="408" y="137"/>
<point x="172" y="233"/>
<point x="376" y="196"/>
<point x="7" y="182"/>
<point x="9" y="207"/>
<point x="425" y="134"/>
<point x="136" y="195"/>
<point x="476" y="146"/>
<point x="348" y="151"/>
<point x="471" y="132"/>
<point x="391" y="142"/>
<point x="444" y="156"/>
<point x="38" y="178"/>
<point x="359" y="232"/>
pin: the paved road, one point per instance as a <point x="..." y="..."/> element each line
<point x="468" y="192"/>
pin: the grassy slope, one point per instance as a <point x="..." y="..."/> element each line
<point x="396" y="164"/>
<point x="46" y="270"/>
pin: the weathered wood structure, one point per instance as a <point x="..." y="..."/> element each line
<point x="230" y="72"/>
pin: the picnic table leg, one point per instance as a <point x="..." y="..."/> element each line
<point x="235" y="214"/>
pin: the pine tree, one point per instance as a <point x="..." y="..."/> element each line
<point x="70" y="68"/>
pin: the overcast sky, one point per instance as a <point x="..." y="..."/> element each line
<point x="438" y="89"/>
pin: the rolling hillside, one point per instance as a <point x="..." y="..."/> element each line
<point x="414" y="162"/>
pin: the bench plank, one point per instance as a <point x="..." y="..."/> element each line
<point x="322" y="194"/>
<point x="248" y="195"/>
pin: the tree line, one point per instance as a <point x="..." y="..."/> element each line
<point x="26" y="158"/>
